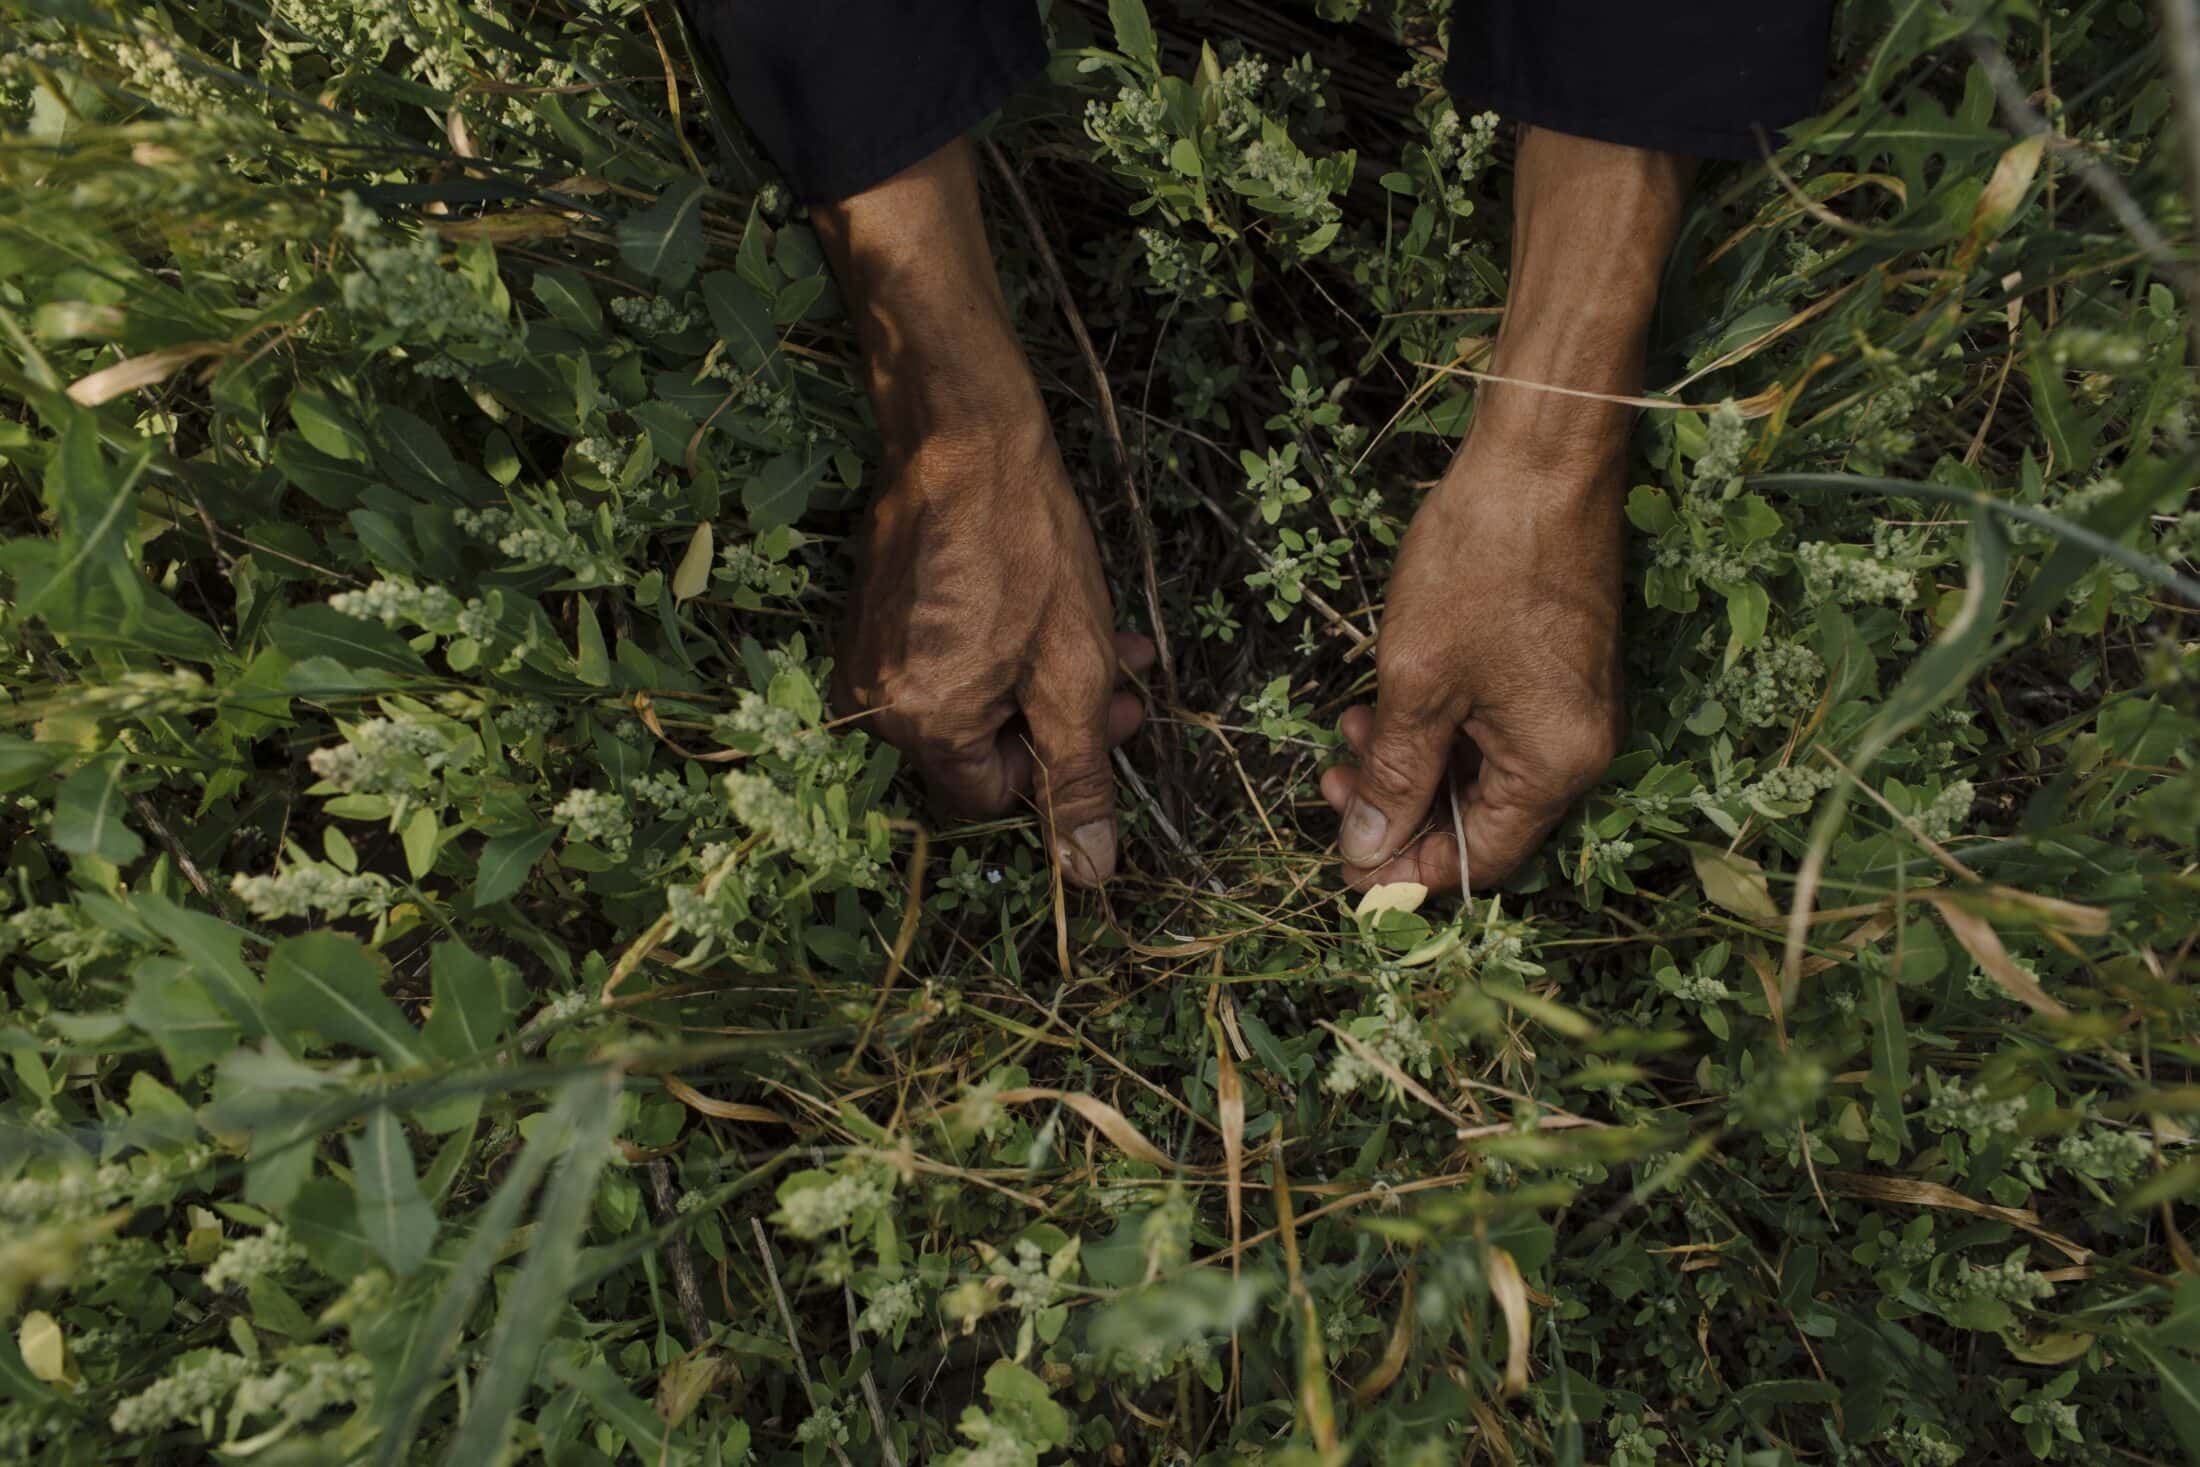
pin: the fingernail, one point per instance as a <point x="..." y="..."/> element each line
<point x="1088" y="856"/>
<point x="1361" y="840"/>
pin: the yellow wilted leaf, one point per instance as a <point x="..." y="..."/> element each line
<point x="44" y="1351"/>
<point x="1391" y="896"/>
<point x="694" y="572"/>
<point x="1511" y="1292"/>
<point x="2013" y="175"/>
<point x="1735" y="883"/>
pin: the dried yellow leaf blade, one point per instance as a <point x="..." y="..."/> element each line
<point x="1510" y="1291"/>
<point x="694" y="572"/>
<point x="724" y="1110"/>
<point x="1984" y="945"/>
<point x="1102" y="1117"/>
<point x="1914" y="1193"/>
<point x="109" y="383"/>
<point x="1387" y="1369"/>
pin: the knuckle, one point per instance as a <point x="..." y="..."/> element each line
<point x="1080" y="783"/>
<point x="1580" y="758"/>
<point x="1389" y="771"/>
<point x="1408" y="668"/>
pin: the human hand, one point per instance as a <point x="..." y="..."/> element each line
<point x="981" y="642"/>
<point x="1499" y="659"/>
<point x="1499" y="649"/>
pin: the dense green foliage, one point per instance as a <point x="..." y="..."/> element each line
<point x="462" y="993"/>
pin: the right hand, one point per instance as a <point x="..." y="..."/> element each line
<point x="982" y="642"/>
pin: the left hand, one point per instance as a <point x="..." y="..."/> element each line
<point x="1499" y="656"/>
<point x="1499" y="650"/>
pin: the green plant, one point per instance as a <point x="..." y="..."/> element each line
<point x="465" y="997"/>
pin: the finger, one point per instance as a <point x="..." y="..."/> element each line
<point x="1338" y="784"/>
<point x="1400" y="768"/>
<point x="973" y="779"/>
<point x="1358" y="722"/>
<point x="1504" y="823"/>
<point x="1074" y="788"/>
<point x="1433" y="861"/>
<point x="1125" y="714"/>
<point x="1135" y="652"/>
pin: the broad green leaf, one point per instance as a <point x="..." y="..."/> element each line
<point x="505" y="862"/>
<point x="393" y="1212"/>
<point x="1134" y="35"/>
<point x="693" y="574"/>
<point x="215" y="951"/>
<point x="780" y="492"/>
<point x="592" y="663"/>
<point x="665" y="241"/>
<point x="2069" y="433"/>
<point x="471" y="1008"/>
<point x="88" y="810"/>
<point x="171" y="1005"/>
<point x="329" y="984"/>
<point x="319" y="630"/>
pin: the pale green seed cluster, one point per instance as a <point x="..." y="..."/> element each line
<point x="154" y="69"/>
<point x="307" y="887"/>
<point x="815" y="1211"/>
<point x="2105" y="1153"/>
<point x="193" y="1387"/>
<point x="308" y="1382"/>
<point x="2010" y="1281"/>
<point x="754" y="722"/>
<point x="1852" y="575"/>
<point x="891" y="1308"/>
<point x="1774" y="683"/>
<point x="1921" y="1444"/>
<point x="245" y="1261"/>
<point x="801" y="830"/>
<point x="1702" y="988"/>
<point x="74" y="1193"/>
<point x="1393" y="1031"/>
<point x="651" y="315"/>
<point x="385" y="756"/>
<point x="1726" y="444"/>
<point x="407" y="287"/>
<point x="177" y="690"/>
<point x="395" y="601"/>
<point x="64" y="935"/>
<point x="1787" y="790"/>
<point x="359" y="30"/>
<point x="1949" y="811"/>
<point x="598" y="817"/>
<point x="1958" y="1107"/>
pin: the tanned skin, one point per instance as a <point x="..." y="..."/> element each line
<point x="983" y="642"/>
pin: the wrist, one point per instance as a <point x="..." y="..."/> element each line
<point x="940" y="356"/>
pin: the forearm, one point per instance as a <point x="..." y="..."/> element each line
<point x="1592" y="225"/>
<point x="939" y="352"/>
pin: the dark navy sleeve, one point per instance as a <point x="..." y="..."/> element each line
<point x="1700" y="77"/>
<point x="846" y="93"/>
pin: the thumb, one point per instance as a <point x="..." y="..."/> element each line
<point x="1076" y="791"/>
<point x="1405" y="760"/>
